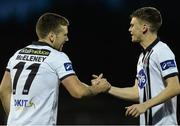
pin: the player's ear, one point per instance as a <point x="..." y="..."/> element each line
<point x="145" y="28"/>
<point x="52" y="36"/>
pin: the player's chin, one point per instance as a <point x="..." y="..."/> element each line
<point x="133" y="40"/>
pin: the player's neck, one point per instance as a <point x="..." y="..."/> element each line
<point x="46" y="41"/>
<point x="148" y="40"/>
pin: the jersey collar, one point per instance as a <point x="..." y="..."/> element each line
<point x="152" y="45"/>
<point x="41" y="44"/>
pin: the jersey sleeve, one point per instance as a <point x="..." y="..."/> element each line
<point x="64" y="67"/>
<point x="167" y="63"/>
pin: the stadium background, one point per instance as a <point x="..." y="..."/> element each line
<point x="99" y="42"/>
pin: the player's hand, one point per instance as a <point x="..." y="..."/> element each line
<point x="96" y="79"/>
<point x="100" y="84"/>
<point x="135" y="110"/>
<point x="103" y="85"/>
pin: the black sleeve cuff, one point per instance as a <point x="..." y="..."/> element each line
<point x="67" y="76"/>
<point x="7" y="69"/>
<point x="170" y="75"/>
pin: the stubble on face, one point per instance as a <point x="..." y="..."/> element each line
<point x="135" y="30"/>
<point x="62" y="38"/>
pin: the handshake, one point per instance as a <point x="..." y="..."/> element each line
<point x="99" y="85"/>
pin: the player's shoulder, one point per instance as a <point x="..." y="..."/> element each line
<point x="162" y="47"/>
<point x="58" y="54"/>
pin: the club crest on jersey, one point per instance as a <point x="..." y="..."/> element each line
<point x="68" y="66"/>
<point x="167" y="64"/>
<point x="142" y="78"/>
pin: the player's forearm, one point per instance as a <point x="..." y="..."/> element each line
<point x="89" y="90"/>
<point x="5" y="99"/>
<point x="129" y="93"/>
<point x="172" y="89"/>
<point x="83" y="90"/>
<point x="162" y="97"/>
<point x="96" y="89"/>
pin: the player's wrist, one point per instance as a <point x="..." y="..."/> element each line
<point x="108" y="90"/>
<point x="93" y="90"/>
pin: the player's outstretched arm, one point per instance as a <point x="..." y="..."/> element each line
<point x="5" y="91"/>
<point x="172" y="89"/>
<point x="129" y="93"/>
<point x="79" y="89"/>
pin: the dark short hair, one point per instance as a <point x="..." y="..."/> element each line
<point x="50" y="22"/>
<point x="149" y="14"/>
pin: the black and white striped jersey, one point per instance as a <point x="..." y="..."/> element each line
<point x="156" y="64"/>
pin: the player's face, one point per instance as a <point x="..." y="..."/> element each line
<point x="61" y="38"/>
<point x="135" y="30"/>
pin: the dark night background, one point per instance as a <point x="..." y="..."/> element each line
<point x="99" y="41"/>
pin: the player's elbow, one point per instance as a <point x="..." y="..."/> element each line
<point x="2" y="95"/>
<point x="135" y="98"/>
<point x="177" y="90"/>
<point x="1" y="92"/>
<point x="135" y="95"/>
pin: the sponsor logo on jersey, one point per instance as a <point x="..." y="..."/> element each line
<point x="142" y="78"/>
<point x="68" y="66"/>
<point x="43" y="52"/>
<point x="167" y="64"/>
<point x="23" y="103"/>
